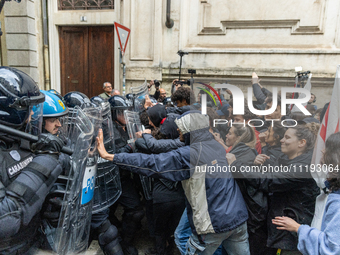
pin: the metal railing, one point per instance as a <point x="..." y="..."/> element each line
<point x="85" y="4"/>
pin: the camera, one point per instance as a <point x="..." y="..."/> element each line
<point x="157" y="83"/>
<point x="189" y="81"/>
<point x="303" y="75"/>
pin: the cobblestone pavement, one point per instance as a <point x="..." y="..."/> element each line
<point x="142" y="241"/>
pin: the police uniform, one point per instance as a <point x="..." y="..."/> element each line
<point x="25" y="178"/>
<point x="130" y="198"/>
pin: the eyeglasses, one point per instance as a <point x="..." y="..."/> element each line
<point x="108" y="86"/>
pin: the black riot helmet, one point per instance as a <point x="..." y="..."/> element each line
<point x="20" y="100"/>
<point x="129" y="96"/>
<point x="97" y="101"/>
<point x="167" y="101"/>
<point x="120" y="102"/>
<point x="118" y="105"/>
<point x="53" y="91"/>
<point x="75" y="98"/>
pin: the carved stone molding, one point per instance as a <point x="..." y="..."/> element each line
<point x="207" y="27"/>
<point x="261" y="24"/>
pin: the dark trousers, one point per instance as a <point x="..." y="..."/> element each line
<point x="133" y="210"/>
<point x="166" y="218"/>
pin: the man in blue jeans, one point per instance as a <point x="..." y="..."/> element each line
<point x="216" y="210"/>
<point x="183" y="232"/>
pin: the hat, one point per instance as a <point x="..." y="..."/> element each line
<point x="156" y="114"/>
<point x="192" y="121"/>
<point x="224" y="110"/>
<point x="169" y="127"/>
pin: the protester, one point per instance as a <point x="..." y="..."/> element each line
<point x="326" y="240"/>
<point x="242" y="140"/>
<point x="162" y="95"/>
<point x="317" y="114"/>
<point x="260" y="92"/>
<point x="183" y="97"/>
<point x="293" y="189"/>
<point x="312" y="100"/>
<point x="167" y="196"/>
<point x="271" y="146"/>
<point x="157" y="85"/>
<point x="216" y="210"/>
<point x="244" y="119"/>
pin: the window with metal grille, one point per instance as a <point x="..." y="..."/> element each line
<point x="85" y="4"/>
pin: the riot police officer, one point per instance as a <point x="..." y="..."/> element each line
<point x="101" y="227"/>
<point x="130" y="199"/>
<point x="54" y="111"/>
<point x="25" y="178"/>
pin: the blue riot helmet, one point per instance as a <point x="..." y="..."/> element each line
<point x="118" y="105"/>
<point x="53" y="106"/>
<point x="54" y="112"/>
<point x="20" y="101"/>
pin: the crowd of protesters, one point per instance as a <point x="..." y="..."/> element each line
<point x="217" y="188"/>
<point x="232" y="212"/>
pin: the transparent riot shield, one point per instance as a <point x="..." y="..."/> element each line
<point x="139" y="96"/>
<point x="108" y="186"/>
<point x="73" y="230"/>
<point x="134" y="125"/>
<point x="140" y="90"/>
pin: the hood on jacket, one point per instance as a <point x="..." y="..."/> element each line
<point x="193" y="124"/>
<point x="169" y="127"/>
<point x="156" y="114"/>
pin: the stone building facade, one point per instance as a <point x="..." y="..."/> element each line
<point x="226" y="40"/>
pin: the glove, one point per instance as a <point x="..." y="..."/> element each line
<point x="52" y="212"/>
<point x="48" y="143"/>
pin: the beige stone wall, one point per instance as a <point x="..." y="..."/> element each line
<point x="23" y="35"/>
<point x="228" y="40"/>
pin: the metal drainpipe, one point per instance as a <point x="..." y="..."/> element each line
<point x="169" y="23"/>
<point x="46" y="49"/>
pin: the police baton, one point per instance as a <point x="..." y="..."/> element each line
<point x="28" y="137"/>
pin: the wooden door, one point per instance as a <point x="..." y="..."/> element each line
<point x="87" y="59"/>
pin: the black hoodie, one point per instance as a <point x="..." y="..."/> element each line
<point x="156" y="114"/>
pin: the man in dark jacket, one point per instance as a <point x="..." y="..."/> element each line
<point x="216" y="209"/>
<point x="168" y="200"/>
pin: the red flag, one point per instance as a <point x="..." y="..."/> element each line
<point x="330" y="125"/>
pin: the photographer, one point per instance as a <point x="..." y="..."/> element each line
<point x="176" y="84"/>
<point x="157" y="92"/>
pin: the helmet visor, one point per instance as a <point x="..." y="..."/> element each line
<point x="34" y="120"/>
<point x="107" y="128"/>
